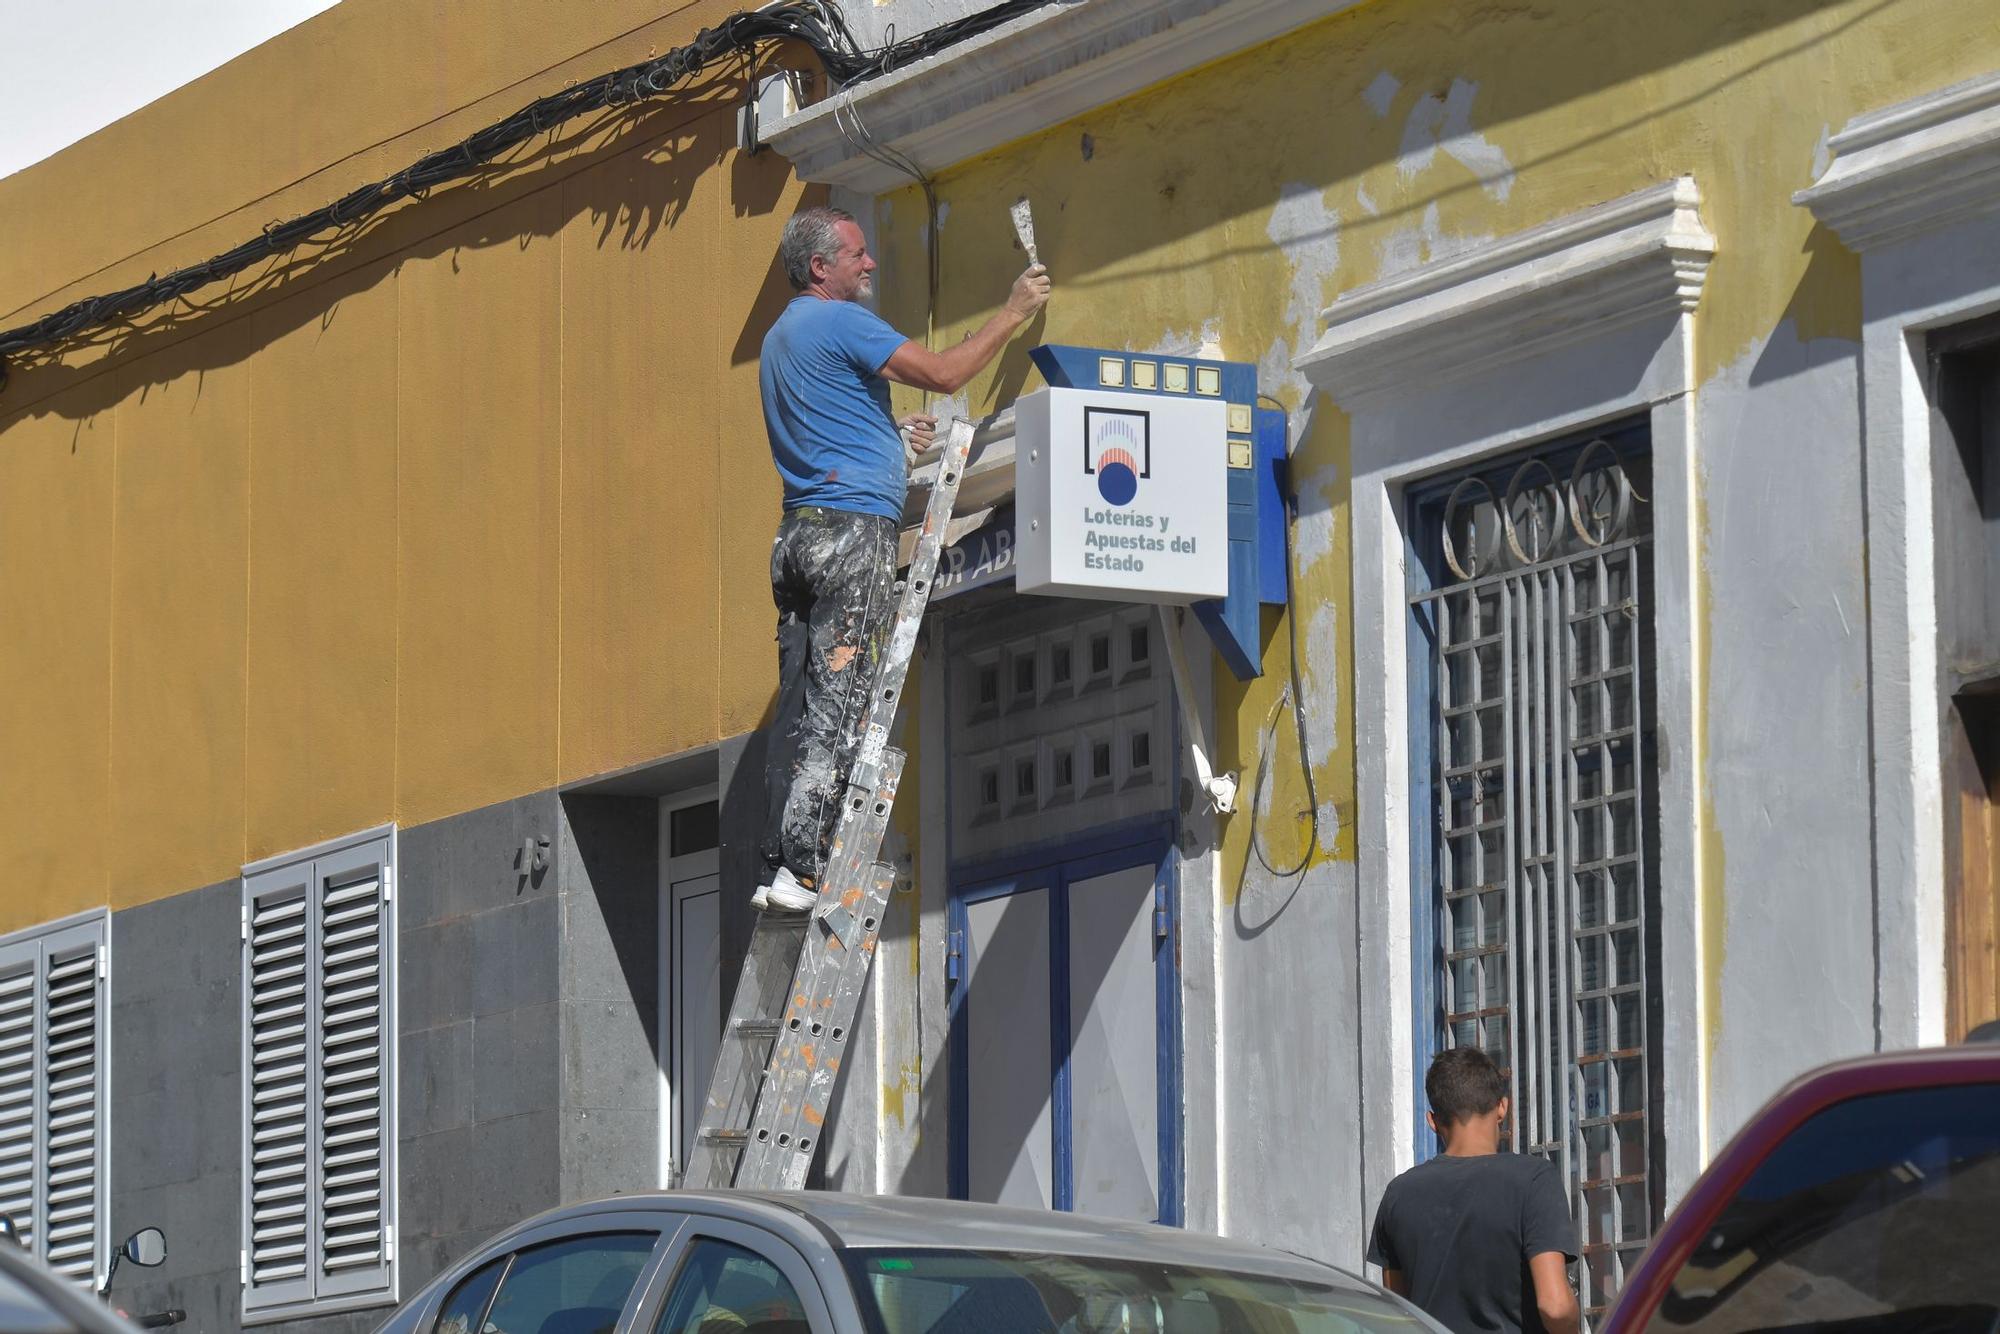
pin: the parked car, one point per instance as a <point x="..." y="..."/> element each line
<point x="34" y="1299"/>
<point x="1864" y="1197"/>
<point x="819" y="1263"/>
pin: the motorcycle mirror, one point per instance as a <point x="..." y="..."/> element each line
<point x="8" y="1231"/>
<point x="147" y="1247"/>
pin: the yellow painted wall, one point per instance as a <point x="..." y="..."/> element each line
<point x="1160" y="219"/>
<point x="470" y="504"/>
<point x="477" y="502"/>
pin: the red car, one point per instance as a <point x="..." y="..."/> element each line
<point x="1864" y="1198"/>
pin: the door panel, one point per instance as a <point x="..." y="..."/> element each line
<point x="1010" y="1128"/>
<point x="1114" y="1046"/>
<point x="697" y="982"/>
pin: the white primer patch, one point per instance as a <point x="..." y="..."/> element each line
<point x="1446" y="122"/>
<point x="1412" y="247"/>
<point x="1420" y="137"/>
<point x="1203" y="342"/>
<point x="1366" y="200"/>
<point x="1321" y="647"/>
<point x="1471" y="149"/>
<point x="1380" y="94"/>
<point x="1312" y="535"/>
<point x="1307" y="234"/>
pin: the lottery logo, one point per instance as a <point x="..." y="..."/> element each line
<point x="1118" y="451"/>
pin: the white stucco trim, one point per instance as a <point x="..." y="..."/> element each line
<point x="1915" y="190"/>
<point x="1630" y="274"/>
<point x="1912" y="168"/>
<point x="1520" y="298"/>
<point x="1021" y="78"/>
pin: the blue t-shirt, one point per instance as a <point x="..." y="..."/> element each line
<point x="826" y="407"/>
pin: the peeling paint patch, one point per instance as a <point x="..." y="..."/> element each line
<point x="1381" y="93"/>
<point x="1365" y="200"/>
<point x="1307" y="233"/>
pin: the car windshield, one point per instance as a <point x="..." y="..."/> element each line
<point x="997" y="1292"/>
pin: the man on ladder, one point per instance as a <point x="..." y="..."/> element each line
<point x="824" y="379"/>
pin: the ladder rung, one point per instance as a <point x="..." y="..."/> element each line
<point x="727" y="1138"/>
<point x="749" y="1029"/>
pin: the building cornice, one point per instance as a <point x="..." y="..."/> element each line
<point x="1913" y="167"/>
<point x="1021" y="78"/>
<point x="1566" y="281"/>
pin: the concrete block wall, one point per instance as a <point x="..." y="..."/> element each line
<point x="482" y="1071"/>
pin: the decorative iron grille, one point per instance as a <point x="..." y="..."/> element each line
<point x="1538" y="627"/>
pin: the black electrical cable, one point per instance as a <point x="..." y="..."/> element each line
<point x="817" y="24"/>
<point x="1298" y="701"/>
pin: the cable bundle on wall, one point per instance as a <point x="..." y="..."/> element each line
<point x="817" y="24"/>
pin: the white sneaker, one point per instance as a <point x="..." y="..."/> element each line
<point x="783" y="894"/>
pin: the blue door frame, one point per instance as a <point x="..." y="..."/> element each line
<point x="1134" y="843"/>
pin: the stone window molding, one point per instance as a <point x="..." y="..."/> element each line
<point x="1914" y="189"/>
<point x="1585" y="320"/>
<point x="1911" y="168"/>
<point x="1578" y="277"/>
<point x="1019" y="79"/>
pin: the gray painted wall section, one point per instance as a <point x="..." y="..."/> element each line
<point x="1787" y="725"/>
<point x="609" y="996"/>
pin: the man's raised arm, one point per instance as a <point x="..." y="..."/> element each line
<point x="951" y="370"/>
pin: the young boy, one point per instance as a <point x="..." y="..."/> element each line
<point x="1480" y="1239"/>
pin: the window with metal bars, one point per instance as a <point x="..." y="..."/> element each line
<point x="319" y="1056"/>
<point x="1533" y="754"/>
<point x="54" y="1034"/>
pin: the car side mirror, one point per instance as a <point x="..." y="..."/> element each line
<point x="147" y="1247"/>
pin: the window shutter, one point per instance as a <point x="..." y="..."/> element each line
<point x="70" y="1176"/>
<point x="53" y="1034"/>
<point x="278" y="996"/>
<point x="319" y="1051"/>
<point x="18" y="1062"/>
<point x="355" y="1077"/>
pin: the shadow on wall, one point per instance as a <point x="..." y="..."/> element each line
<point x="632" y="170"/>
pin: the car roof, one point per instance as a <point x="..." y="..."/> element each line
<point x="917" y="1223"/>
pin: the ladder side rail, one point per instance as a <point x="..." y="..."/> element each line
<point x="807" y="1061"/>
<point x="743" y="1052"/>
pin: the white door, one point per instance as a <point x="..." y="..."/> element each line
<point x="690" y="1020"/>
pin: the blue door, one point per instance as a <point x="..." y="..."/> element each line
<point x="1065" y="1029"/>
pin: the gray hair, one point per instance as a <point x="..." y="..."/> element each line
<point x="810" y="232"/>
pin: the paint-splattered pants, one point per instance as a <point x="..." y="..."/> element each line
<point x="833" y="578"/>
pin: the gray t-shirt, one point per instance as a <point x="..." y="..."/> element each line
<point x="1462" y="1231"/>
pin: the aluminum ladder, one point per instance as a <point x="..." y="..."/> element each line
<point x="804" y="976"/>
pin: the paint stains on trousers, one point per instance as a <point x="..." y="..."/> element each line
<point x="833" y="578"/>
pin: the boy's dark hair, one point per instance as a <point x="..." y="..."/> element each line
<point x="1463" y="1083"/>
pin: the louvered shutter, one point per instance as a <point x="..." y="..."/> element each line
<point x="278" y="997"/>
<point x="71" y="1179"/>
<point x="19" y="1109"/>
<point x="53" y="1031"/>
<point x="319" y="1178"/>
<point x="355" y="1078"/>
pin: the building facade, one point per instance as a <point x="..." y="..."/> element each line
<point x="387" y="637"/>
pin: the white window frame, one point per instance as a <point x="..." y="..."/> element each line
<point x="36" y="944"/>
<point x="361" y="1289"/>
<point x="1583" y="320"/>
<point x="1914" y="189"/>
